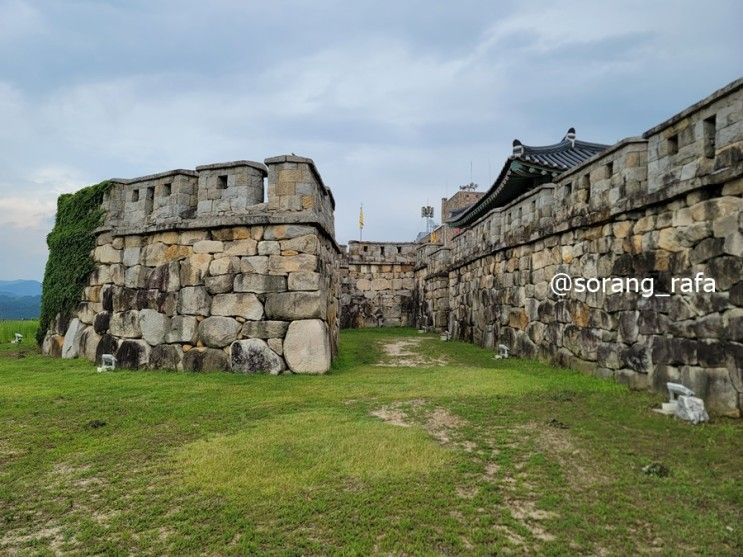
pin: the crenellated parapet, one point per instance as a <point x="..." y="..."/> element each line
<point x="285" y="189"/>
<point x="377" y="283"/>
<point x="663" y="206"/>
<point x="212" y="269"/>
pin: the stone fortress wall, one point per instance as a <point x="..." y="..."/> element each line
<point x="199" y="270"/>
<point x="377" y="284"/>
<point x="666" y="204"/>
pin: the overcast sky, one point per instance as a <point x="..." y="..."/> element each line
<point x="393" y="100"/>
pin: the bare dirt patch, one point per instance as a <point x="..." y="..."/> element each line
<point x="469" y="492"/>
<point x="512" y="537"/>
<point x="392" y="416"/>
<point x="405" y="352"/>
<point x="579" y="471"/>
<point x="526" y="513"/>
<point x="438" y="422"/>
<point x="15" y="540"/>
<point x="7" y="452"/>
<point x="491" y="470"/>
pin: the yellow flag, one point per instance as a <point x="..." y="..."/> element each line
<point x="361" y="217"/>
<point x="433" y="236"/>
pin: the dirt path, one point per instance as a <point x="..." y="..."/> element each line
<point x="407" y="353"/>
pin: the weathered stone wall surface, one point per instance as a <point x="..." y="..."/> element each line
<point x="377" y="284"/>
<point x="220" y="279"/>
<point x="664" y="205"/>
<point x="431" y="294"/>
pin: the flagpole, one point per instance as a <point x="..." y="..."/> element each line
<point x="361" y="222"/>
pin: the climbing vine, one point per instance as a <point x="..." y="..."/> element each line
<point x="70" y="243"/>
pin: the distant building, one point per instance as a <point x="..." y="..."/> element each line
<point x="526" y="168"/>
<point x="463" y="199"/>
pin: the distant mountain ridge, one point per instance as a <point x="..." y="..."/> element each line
<point x="19" y="288"/>
<point x="20" y="299"/>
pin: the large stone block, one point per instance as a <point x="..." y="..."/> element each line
<point x="52" y="345"/>
<point x="194" y="300"/>
<point x="116" y="274"/>
<point x="193" y="269"/>
<point x="243" y="247"/>
<point x="219" y="284"/>
<point x="190" y="237"/>
<point x="107" y="345"/>
<point x="131" y="256"/>
<point x="716" y="208"/>
<point x="208" y="246"/>
<point x="269" y="247"/>
<point x="254" y="355"/>
<point x="167" y="237"/>
<point x="107" y="254"/>
<point x="86" y="312"/>
<point x="136" y="277"/>
<point x="71" y="345"/>
<point x="101" y="322"/>
<point x="726" y="270"/>
<point x="154" y="254"/>
<point x="582" y="342"/>
<point x="287" y="231"/>
<point x="238" y="305"/>
<point x="232" y="233"/>
<point x="165" y="278"/>
<point x="154" y="326"/>
<point x="288" y="306"/>
<point x="166" y="356"/>
<point x="183" y="328"/>
<point x="177" y="252"/>
<point x="107" y="297"/>
<point x="276" y="344"/>
<point x="257" y="264"/>
<point x="133" y="354"/>
<point x="206" y="359"/>
<point x="304" y="280"/>
<point x="89" y="344"/>
<point x="307" y="346"/>
<point x="292" y="263"/>
<point x="125" y="324"/>
<point x="722" y="395"/>
<point x="259" y="284"/>
<point x="224" y="265"/>
<point x="637" y="357"/>
<point x="264" y="329"/>
<point x="218" y="331"/>
<point x="301" y="244"/>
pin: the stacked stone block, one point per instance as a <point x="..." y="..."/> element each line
<point x="228" y="188"/>
<point x="164" y="197"/>
<point x="294" y="185"/>
<point x="257" y="294"/>
<point x="664" y="205"/>
<point x="378" y="283"/>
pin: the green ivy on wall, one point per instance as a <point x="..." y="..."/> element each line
<point x="70" y="243"/>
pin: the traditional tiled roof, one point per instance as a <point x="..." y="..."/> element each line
<point x="566" y="154"/>
<point x="527" y="168"/>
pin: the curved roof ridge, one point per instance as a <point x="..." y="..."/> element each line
<point x="526" y="164"/>
<point x="565" y="144"/>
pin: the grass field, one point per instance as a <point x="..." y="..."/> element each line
<point x="27" y="327"/>
<point x="440" y="450"/>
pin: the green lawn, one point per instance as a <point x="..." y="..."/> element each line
<point x="455" y="454"/>
<point x="27" y="327"/>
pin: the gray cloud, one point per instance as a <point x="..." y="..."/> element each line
<point x="393" y="100"/>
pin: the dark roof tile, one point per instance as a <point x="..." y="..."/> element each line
<point x="526" y="160"/>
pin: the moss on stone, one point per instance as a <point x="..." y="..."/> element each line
<point x="70" y="243"/>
